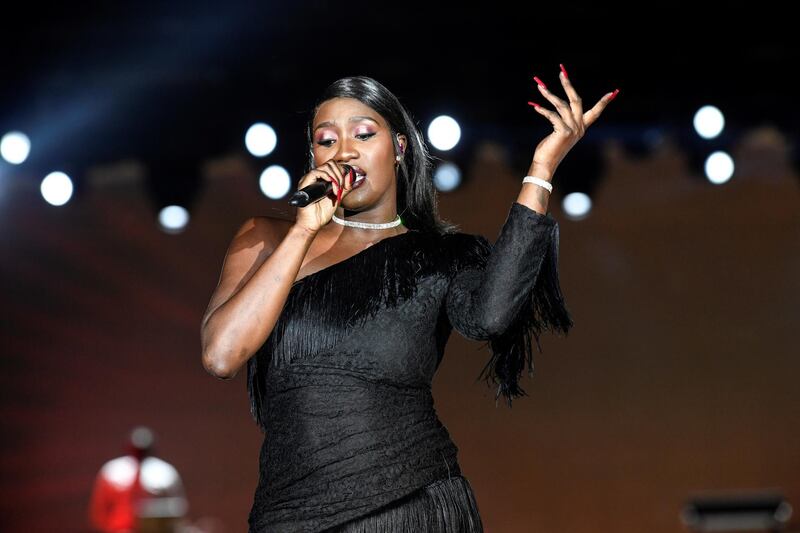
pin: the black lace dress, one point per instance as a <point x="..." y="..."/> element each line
<point x="342" y="387"/>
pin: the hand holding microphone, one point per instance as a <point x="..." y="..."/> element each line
<point x="329" y="179"/>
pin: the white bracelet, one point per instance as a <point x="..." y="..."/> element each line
<point x="538" y="181"/>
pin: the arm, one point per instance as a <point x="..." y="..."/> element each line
<point x="255" y="281"/>
<point x="509" y="293"/>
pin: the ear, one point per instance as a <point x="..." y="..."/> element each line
<point x="403" y="143"/>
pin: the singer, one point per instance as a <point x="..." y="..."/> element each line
<point x="342" y="325"/>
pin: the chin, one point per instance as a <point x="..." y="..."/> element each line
<point x="353" y="203"/>
<point x="355" y="197"/>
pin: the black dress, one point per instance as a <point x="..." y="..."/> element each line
<point x="342" y="387"/>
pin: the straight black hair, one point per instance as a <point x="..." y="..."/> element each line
<point x="417" y="203"/>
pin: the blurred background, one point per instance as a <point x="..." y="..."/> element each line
<point x="136" y="137"/>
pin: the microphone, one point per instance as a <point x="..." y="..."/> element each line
<point x="316" y="191"/>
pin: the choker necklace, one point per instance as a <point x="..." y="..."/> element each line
<point x="367" y="225"/>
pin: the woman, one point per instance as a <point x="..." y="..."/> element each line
<point x="342" y="326"/>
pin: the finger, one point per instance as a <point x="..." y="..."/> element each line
<point x="558" y="123"/>
<point x="334" y="185"/>
<point x="348" y="180"/>
<point x="347" y="185"/>
<point x="561" y="106"/>
<point x="333" y="170"/>
<point x="590" y="116"/>
<point x="336" y="171"/>
<point x="575" y="102"/>
<point x="312" y="176"/>
<point x="317" y="174"/>
<point x="345" y="178"/>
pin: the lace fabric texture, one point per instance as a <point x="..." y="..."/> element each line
<point x="342" y="387"/>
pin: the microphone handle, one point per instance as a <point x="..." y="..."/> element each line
<point x="315" y="191"/>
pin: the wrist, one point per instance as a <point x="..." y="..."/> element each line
<point x="303" y="231"/>
<point x="541" y="171"/>
<point x="537" y="182"/>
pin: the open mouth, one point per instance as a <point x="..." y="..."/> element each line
<point x="360" y="178"/>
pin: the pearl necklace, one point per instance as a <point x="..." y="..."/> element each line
<point x="367" y="225"/>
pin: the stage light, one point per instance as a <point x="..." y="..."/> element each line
<point x="15" y="147"/>
<point x="709" y="122"/>
<point x="719" y="167"/>
<point x="444" y="133"/>
<point x="577" y="205"/>
<point x="260" y="139"/>
<point x="56" y="188"/>
<point x="173" y="218"/>
<point x="172" y="184"/>
<point x="447" y="177"/>
<point x="275" y="182"/>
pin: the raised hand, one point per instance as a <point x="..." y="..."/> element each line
<point x="569" y="125"/>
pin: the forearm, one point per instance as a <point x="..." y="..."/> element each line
<point x="483" y="302"/>
<point x="236" y="329"/>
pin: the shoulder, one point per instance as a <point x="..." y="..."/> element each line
<point x="464" y="239"/>
<point x="262" y="230"/>
<point x="461" y="242"/>
<point x="464" y="250"/>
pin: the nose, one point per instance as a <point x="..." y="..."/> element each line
<point x="346" y="151"/>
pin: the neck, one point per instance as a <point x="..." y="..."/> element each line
<point x="367" y="229"/>
<point x="370" y="217"/>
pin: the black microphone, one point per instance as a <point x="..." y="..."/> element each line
<point x="316" y="191"/>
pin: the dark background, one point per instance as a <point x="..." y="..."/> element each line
<point x="174" y="83"/>
<point x="679" y="378"/>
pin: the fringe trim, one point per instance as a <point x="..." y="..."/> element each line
<point x="322" y="308"/>
<point x="544" y="309"/>
<point x="445" y="506"/>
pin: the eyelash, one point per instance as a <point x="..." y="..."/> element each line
<point x="367" y="135"/>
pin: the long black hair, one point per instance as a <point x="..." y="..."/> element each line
<point x="416" y="194"/>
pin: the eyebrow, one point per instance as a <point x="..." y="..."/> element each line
<point x="356" y="118"/>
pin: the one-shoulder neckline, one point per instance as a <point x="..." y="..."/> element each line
<point x="352" y="257"/>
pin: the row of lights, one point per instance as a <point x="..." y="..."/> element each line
<point x="261" y="139"/>
<point x="56" y="187"/>
<point x="718" y="166"/>
<point x="709" y="122"/>
<point x="443" y="132"/>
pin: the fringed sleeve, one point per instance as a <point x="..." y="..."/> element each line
<point x="508" y="294"/>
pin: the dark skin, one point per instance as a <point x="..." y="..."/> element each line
<point x="266" y="256"/>
<point x="346" y="131"/>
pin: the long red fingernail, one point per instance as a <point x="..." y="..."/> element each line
<point x="540" y="82"/>
<point x="563" y="70"/>
<point x="338" y="194"/>
<point x="613" y="95"/>
<point x="534" y="104"/>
